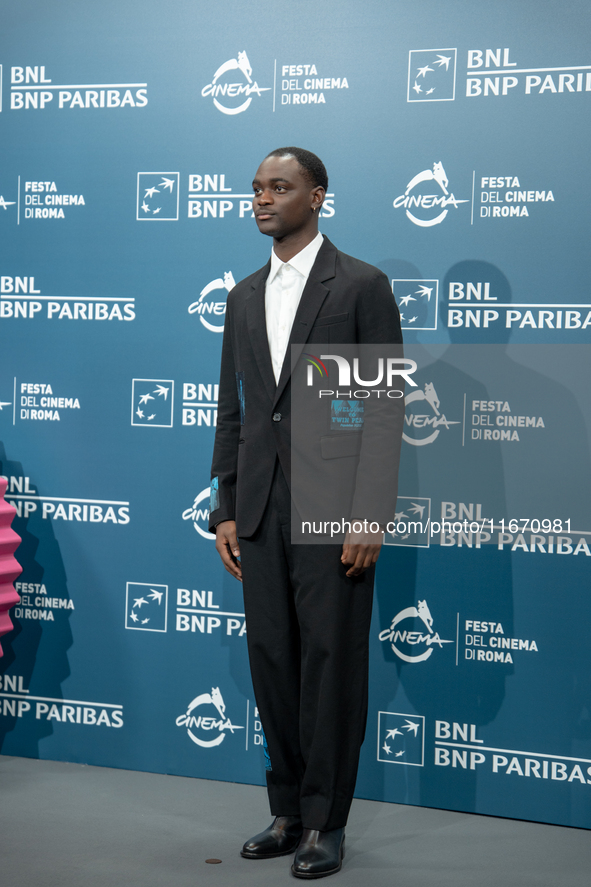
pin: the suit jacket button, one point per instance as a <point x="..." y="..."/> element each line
<point x="276" y="417"/>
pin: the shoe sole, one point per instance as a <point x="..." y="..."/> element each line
<point x="246" y="855"/>
<point x="312" y="875"/>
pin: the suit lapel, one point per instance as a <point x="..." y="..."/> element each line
<point x="257" y="329"/>
<point x="313" y="296"/>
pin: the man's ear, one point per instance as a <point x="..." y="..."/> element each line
<point x="318" y="195"/>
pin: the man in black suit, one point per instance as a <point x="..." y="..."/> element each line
<point x="308" y="606"/>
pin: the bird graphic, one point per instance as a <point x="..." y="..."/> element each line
<point x="138" y="601"/>
<point x="387" y="748"/>
<point x="153" y="416"/>
<point x="6" y="203"/>
<point x="167" y="183"/>
<point x="139" y="413"/>
<point x="157" y="210"/>
<point x="416" y="509"/>
<point x="399" y="754"/>
<point x="410" y="725"/>
<point x="4" y="403"/>
<point x="145" y="207"/>
<point x="429" y="91"/>
<point x="417" y="88"/>
<point x="161" y="391"/>
<point x="425" y="291"/>
<point x="150" y="192"/>
<point x="423" y="71"/>
<point x="145" y="398"/>
<point x="399" y="515"/>
<point x="406" y="299"/>
<point x="443" y="60"/>
<point x="156" y="595"/>
<point x="402" y="317"/>
<point x="391" y="734"/>
<point x="145" y="620"/>
<point x="412" y="319"/>
<point x="133" y="616"/>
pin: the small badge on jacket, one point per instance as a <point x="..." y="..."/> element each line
<point x="346" y="415"/>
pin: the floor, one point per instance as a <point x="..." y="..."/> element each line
<point x="71" y="825"/>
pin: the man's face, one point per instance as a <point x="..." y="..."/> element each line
<point x="283" y="197"/>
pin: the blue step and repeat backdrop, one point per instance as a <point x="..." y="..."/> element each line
<point x="456" y="136"/>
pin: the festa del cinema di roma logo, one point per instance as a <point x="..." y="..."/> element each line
<point x="206" y="723"/>
<point x="428" y="209"/>
<point x="204" y="306"/>
<point x="423" y="420"/>
<point x="223" y="90"/>
<point x="402" y="637"/>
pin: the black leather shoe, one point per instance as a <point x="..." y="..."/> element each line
<point x="281" y="838"/>
<point x="319" y="853"/>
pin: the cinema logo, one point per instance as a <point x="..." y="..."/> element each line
<point x="422" y="421"/>
<point x="32" y="90"/>
<point x="198" y="514"/>
<point x="405" y="640"/>
<point x="15" y="702"/>
<point x="232" y="92"/>
<point x="23" y="496"/>
<point x="428" y="209"/>
<point x="206" y="721"/>
<point x="213" y="307"/>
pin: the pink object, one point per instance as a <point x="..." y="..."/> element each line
<point x="9" y="566"/>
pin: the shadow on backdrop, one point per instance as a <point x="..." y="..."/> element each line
<point x="36" y="650"/>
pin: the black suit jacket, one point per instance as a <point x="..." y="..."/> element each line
<point x="345" y="301"/>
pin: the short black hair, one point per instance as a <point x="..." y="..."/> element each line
<point x="312" y="166"/>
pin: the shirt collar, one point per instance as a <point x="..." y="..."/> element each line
<point x="302" y="261"/>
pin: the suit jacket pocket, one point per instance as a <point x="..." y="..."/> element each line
<point x="337" y="446"/>
<point x="330" y="318"/>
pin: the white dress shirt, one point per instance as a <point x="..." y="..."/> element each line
<point x="284" y="288"/>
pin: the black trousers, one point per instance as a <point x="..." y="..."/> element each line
<point x="308" y="638"/>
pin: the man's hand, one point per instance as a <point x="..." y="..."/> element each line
<point x="361" y="550"/>
<point x="226" y="543"/>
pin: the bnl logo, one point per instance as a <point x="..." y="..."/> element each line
<point x="431" y="75"/>
<point x="401" y="738"/>
<point x="410" y="526"/>
<point x="157" y="197"/>
<point x="417" y="301"/>
<point x="152" y="402"/>
<point x="146" y="606"/>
